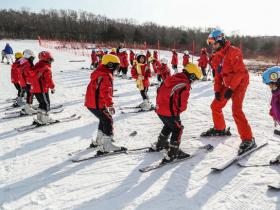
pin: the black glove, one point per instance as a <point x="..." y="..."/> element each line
<point x="228" y="93"/>
<point x="217" y="96"/>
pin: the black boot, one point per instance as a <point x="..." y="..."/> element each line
<point x="277" y="132"/>
<point x="246" y="145"/>
<point x="174" y="153"/>
<point x="161" y="144"/>
<point x="214" y="132"/>
<point x="275" y="161"/>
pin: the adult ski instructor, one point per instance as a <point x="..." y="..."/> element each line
<point x="231" y="82"/>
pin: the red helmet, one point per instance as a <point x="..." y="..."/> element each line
<point x="45" y="56"/>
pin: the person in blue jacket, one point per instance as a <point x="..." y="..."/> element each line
<point x="9" y="53"/>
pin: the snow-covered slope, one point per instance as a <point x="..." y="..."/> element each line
<point x="36" y="171"/>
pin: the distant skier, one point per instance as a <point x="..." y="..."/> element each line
<point x="15" y="79"/>
<point x="172" y="100"/>
<point x="124" y="63"/>
<point x="231" y="81"/>
<point x="141" y="72"/>
<point x="94" y="59"/>
<point x="203" y="62"/>
<point x="186" y="58"/>
<point x="148" y="55"/>
<point x="9" y="53"/>
<point x="131" y="57"/>
<point x="155" y="64"/>
<point x="271" y="77"/>
<point x="155" y="54"/>
<point x="100" y="54"/>
<point x="174" y="61"/>
<point x="27" y="68"/>
<point x="99" y="101"/>
<point x="162" y="69"/>
<point x="41" y="82"/>
<point x="113" y="51"/>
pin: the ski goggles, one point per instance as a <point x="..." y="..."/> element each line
<point x="274" y="76"/>
<point x="211" y="41"/>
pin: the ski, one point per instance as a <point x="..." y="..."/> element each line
<point x="237" y="158"/>
<point x="274" y="186"/>
<point x="19" y="115"/>
<point x="136" y="111"/>
<point x="159" y="164"/>
<point x="94" y="156"/>
<point x="61" y="120"/>
<point x="55" y="106"/>
<point x="273" y="162"/>
<point x="130" y="107"/>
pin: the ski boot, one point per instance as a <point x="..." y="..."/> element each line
<point x="174" y="153"/>
<point x="246" y="145"/>
<point x="277" y="132"/>
<point x="43" y="118"/>
<point x="214" y="132"/>
<point x="95" y="143"/>
<point x="28" y="110"/>
<point x="275" y="161"/>
<point x="19" y="102"/>
<point x="146" y="105"/>
<point x="162" y="143"/>
<point x="106" y="146"/>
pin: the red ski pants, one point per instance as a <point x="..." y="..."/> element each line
<point x="241" y="122"/>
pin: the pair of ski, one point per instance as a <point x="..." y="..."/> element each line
<point x="60" y="120"/>
<point x="134" y="109"/>
<point x="54" y="110"/>
<point x="83" y="156"/>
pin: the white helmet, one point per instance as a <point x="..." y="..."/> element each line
<point x="122" y="50"/>
<point x="186" y="52"/>
<point x="28" y="53"/>
<point x="164" y="60"/>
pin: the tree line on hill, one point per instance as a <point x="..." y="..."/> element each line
<point x="84" y="26"/>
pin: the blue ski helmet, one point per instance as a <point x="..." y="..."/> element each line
<point x="216" y="36"/>
<point x="271" y="75"/>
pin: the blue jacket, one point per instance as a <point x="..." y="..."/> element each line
<point x="8" y="49"/>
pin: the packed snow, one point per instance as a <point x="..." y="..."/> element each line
<point x="36" y="171"/>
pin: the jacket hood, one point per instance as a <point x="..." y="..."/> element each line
<point x="176" y="79"/>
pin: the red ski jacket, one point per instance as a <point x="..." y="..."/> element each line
<point x="145" y="72"/>
<point x="203" y="60"/>
<point x="100" y="89"/>
<point x="148" y="55"/>
<point x="174" y="60"/>
<point x="164" y="71"/>
<point x="131" y="56"/>
<point x="155" y="55"/>
<point x="27" y="70"/>
<point x="42" y="81"/>
<point x="185" y="60"/>
<point x="156" y="65"/>
<point x="229" y="68"/>
<point x="15" y="72"/>
<point x="173" y="95"/>
<point x="94" y="58"/>
<point x="123" y="59"/>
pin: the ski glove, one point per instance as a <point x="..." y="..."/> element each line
<point x="53" y="91"/>
<point x="218" y="96"/>
<point x="228" y="93"/>
<point x="111" y="110"/>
